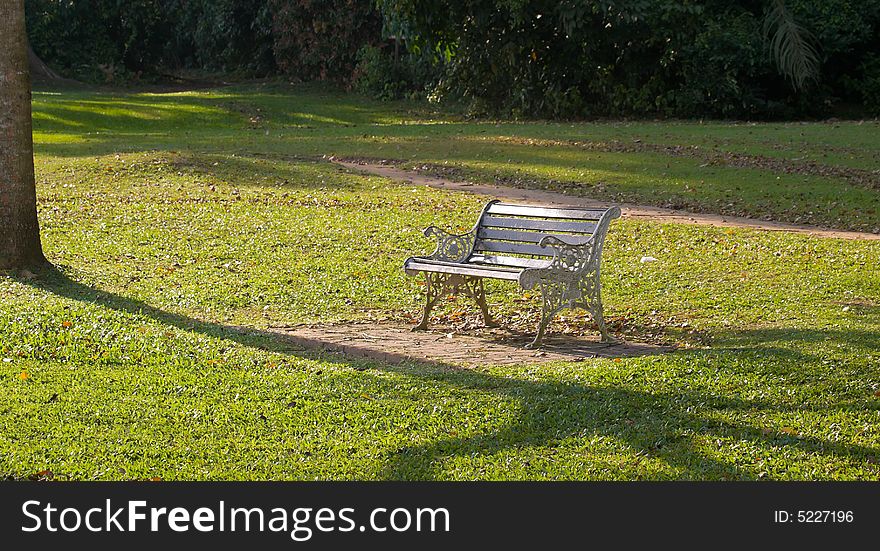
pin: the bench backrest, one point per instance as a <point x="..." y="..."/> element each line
<point x="510" y="229"/>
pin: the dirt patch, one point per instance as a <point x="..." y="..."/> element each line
<point x="396" y="343"/>
<point x="658" y="214"/>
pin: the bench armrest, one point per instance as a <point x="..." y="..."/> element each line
<point x="451" y="247"/>
<point x="571" y="261"/>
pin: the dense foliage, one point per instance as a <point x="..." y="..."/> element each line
<point x="696" y="57"/>
<point x="108" y="40"/>
<point x="98" y="39"/>
<point x="549" y="58"/>
<point x="320" y="39"/>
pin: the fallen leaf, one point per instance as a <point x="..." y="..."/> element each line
<point x="66" y="324"/>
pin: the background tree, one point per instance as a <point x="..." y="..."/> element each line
<point x="763" y="59"/>
<point x="19" y="231"/>
<point x="791" y="45"/>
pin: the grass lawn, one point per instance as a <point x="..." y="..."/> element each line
<point x="183" y="225"/>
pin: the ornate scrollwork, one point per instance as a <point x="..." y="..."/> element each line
<point x="567" y="257"/>
<point x="440" y="285"/>
<point x="571" y="280"/>
<point x="451" y="247"/>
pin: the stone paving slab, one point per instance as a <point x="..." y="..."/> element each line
<point x="396" y="343"/>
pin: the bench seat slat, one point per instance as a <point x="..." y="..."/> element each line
<point x="543" y="225"/>
<point x="545" y="212"/>
<point x="528" y="237"/>
<point x="512" y="261"/>
<point x="495" y="272"/>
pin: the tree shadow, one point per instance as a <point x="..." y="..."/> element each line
<point x="789" y="341"/>
<point x="661" y="426"/>
<point x="53" y="280"/>
<point x="123" y="120"/>
<point x="252" y="170"/>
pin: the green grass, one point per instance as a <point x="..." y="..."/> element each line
<point x="184" y="225"/>
<point x="829" y="175"/>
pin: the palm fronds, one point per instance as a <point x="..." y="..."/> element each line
<point x="791" y="45"/>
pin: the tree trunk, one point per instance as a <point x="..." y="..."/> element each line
<point x="19" y="231"/>
<point x="39" y="69"/>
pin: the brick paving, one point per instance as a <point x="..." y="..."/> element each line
<point x="395" y="343"/>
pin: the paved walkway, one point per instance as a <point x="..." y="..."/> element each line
<point x="632" y="211"/>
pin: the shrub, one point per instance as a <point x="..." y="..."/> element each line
<point x="383" y="75"/>
<point x="226" y="35"/>
<point x="320" y="39"/>
<point x="100" y="40"/>
<point x="685" y="58"/>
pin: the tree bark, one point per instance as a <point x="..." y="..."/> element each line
<point x="19" y="230"/>
<point x="39" y="69"/>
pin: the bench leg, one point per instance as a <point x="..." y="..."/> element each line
<point x="476" y="290"/>
<point x="599" y="318"/>
<point x="440" y="285"/>
<point x="436" y="288"/>
<point x="552" y="301"/>
<point x="592" y="293"/>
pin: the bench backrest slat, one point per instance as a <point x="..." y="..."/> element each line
<point x="517" y="223"/>
<point x="517" y="229"/>
<point x="545" y="212"/>
<point x="527" y="236"/>
<point x="512" y="248"/>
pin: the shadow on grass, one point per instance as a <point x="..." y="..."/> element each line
<point x="119" y="120"/>
<point x="789" y="342"/>
<point x="653" y="425"/>
<point x="265" y="170"/>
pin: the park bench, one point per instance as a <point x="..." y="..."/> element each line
<point x="555" y="249"/>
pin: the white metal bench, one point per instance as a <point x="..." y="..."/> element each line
<point x="555" y="249"/>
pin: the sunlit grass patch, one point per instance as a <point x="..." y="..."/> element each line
<point x="183" y="231"/>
